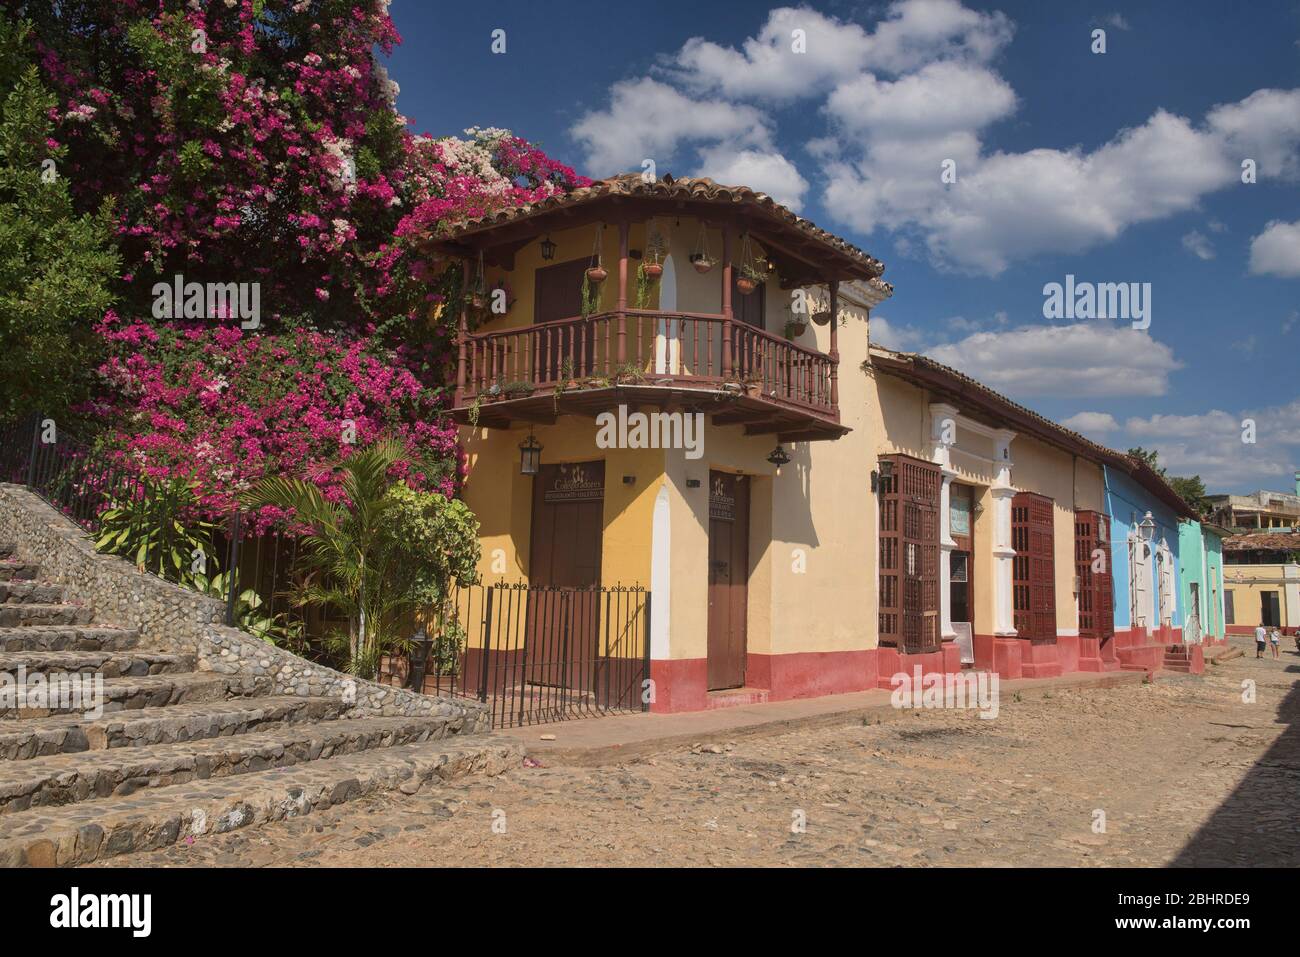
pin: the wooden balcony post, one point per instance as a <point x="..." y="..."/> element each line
<point x="835" y="343"/>
<point x="462" y="334"/>
<point x="726" y="300"/>
<point x="623" y="229"/>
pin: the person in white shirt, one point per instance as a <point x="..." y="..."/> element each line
<point x="1261" y="636"/>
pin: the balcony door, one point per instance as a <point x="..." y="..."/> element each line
<point x="557" y="294"/>
<point x="746" y="354"/>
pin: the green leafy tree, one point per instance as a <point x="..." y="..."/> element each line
<point x="1190" y="489"/>
<point x="379" y="555"/>
<point x="55" y="266"/>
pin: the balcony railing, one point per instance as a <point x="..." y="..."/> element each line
<point x="683" y="349"/>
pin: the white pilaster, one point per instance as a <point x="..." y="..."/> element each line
<point x="943" y="435"/>
<point x="1002" y="491"/>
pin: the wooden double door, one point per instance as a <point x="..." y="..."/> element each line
<point x="728" y="579"/>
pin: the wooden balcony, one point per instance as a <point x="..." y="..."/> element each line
<point x="734" y="372"/>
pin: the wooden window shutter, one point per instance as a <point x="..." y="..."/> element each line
<point x="909" y="555"/>
<point x="1033" y="572"/>
<point x="1096" y="595"/>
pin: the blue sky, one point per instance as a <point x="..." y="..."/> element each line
<point x="1114" y="167"/>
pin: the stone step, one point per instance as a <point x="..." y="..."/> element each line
<point x="15" y="569"/>
<point x="129" y="694"/>
<point x="12" y="616"/>
<point x="30" y="593"/>
<point x="69" y="778"/>
<point x="154" y="818"/>
<point x="69" y="733"/>
<point x="132" y="663"/>
<point x="68" y="638"/>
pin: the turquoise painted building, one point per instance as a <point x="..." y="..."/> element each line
<point x="1200" y="565"/>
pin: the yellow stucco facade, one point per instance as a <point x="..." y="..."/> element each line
<point x="811" y="616"/>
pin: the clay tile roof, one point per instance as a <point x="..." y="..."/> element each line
<point x="1263" y="541"/>
<point x="699" y="188"/>
<point x="996" y="403"/>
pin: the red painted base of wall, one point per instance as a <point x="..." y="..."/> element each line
<point x="682" y="685"/>
<point x="891" y="661"/>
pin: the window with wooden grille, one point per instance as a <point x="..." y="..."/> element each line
<point x="909" y="555"/>
<point x="1033" y="582"/>
<point x="1096" y="588"/>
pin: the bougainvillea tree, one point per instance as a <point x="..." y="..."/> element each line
<point x="256" y="141"/>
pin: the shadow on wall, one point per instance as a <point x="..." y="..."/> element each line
<point x="1256" y="825"/>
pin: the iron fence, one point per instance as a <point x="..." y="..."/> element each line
<point x="537" y="654"/>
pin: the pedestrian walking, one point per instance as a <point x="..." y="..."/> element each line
<point x="1276" y="641"/>
<point x="1261" y="636"/>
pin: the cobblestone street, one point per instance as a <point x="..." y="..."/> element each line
<point x="1184" y="771"/>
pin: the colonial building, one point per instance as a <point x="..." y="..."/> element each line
<point x="1262" y="509"/>
<point x="678" y="391"/>
<point x="1262" y="581"/>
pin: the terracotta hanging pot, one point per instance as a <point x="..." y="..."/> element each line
<point x="745" y="285"/>
<point x="597" y="274"/>
<point x="702" y="264"/>
<point x="653" y="270"/>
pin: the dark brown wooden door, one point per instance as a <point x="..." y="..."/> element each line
<point x="1033" y="569"/>
<point x="1096" y="594"/>
<point x="563" y="619"/>
<point x="909" y="555"/>
<point x="728" y="578"/>
<point x="558" y="295"/>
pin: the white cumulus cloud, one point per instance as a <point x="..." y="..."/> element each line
<point x="1276" y="251"/>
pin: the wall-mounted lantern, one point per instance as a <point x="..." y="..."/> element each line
<point x="548" y="249"/>
<point x="530" y="455"/>
<point x="1147" y="528"/>
<point x="778" y="457"/>
<point x="878" y="479"/>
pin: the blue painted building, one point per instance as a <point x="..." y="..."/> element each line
<point x="1145" y="541"/>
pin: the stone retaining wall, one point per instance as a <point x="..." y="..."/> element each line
<point x="172" y="618"/>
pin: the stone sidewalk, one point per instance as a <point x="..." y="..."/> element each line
<point x="592" y="742"/>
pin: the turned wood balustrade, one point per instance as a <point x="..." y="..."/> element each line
<point x="651" y="347"/>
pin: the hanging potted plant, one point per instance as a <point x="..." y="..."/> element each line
<point x="596" y="272"/>
<point x="750" y="277"/>
<point x="655" y="249"/>
<point x="700" y="257"/>
<point x="476" y="294"/>
<point x="794" y="328"/>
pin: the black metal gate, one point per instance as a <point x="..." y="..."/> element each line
<point x="537" y="654"/>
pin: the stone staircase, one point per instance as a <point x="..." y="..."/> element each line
<point x="176" y="753"/>
<point x="1177" y="658"/>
